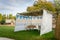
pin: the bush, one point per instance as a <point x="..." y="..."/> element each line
<point x="3" y="22"/>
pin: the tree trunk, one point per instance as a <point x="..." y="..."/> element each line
<point x="57" y="29"/>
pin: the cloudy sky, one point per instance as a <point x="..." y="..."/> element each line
<point x="14" y="6"/>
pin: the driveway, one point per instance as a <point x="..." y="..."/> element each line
<point x="2" y="38"/>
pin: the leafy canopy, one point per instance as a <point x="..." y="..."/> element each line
<point x="42" y="5"/>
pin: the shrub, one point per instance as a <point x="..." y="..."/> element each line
<point x="3" y="22"/>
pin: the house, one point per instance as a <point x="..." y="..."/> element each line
<point x="10" y="22"/>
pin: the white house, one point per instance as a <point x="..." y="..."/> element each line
<point x="10" y="21"/>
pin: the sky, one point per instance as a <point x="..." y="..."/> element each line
<point x="15" y="6"/>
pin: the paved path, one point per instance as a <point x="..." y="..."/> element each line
<point x="2" y="38"/>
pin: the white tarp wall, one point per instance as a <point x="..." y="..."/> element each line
<point x="20" y="23"/>
<point x="23" y="21"/>
<point x="46" y="23"/>
<point x="37" y="21"/>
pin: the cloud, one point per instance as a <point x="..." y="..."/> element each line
<point x="14" y="6"/>
<point x="14" y="3"/>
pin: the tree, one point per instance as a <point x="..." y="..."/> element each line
<point x="4" y="16"/>
<point x="0" y="17"/>
<point x="14" y="17"/>
<point x="40" y="5"/>
<point x="3" y="19"/>
<point x="57" y="32"/>
<point x="10" y="16"/>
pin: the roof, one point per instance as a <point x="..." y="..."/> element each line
<point x="35" y="13"/>
<point x="32" y="13"/>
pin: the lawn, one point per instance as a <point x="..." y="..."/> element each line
<point x="8" y="31"/>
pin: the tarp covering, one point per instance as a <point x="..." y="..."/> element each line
<point x="23" y="21"/>
<point x="46" y="23"/>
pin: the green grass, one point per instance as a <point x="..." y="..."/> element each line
<point x="6" y="31"/>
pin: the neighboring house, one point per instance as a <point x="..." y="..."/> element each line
<point x="10" y="21"/>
